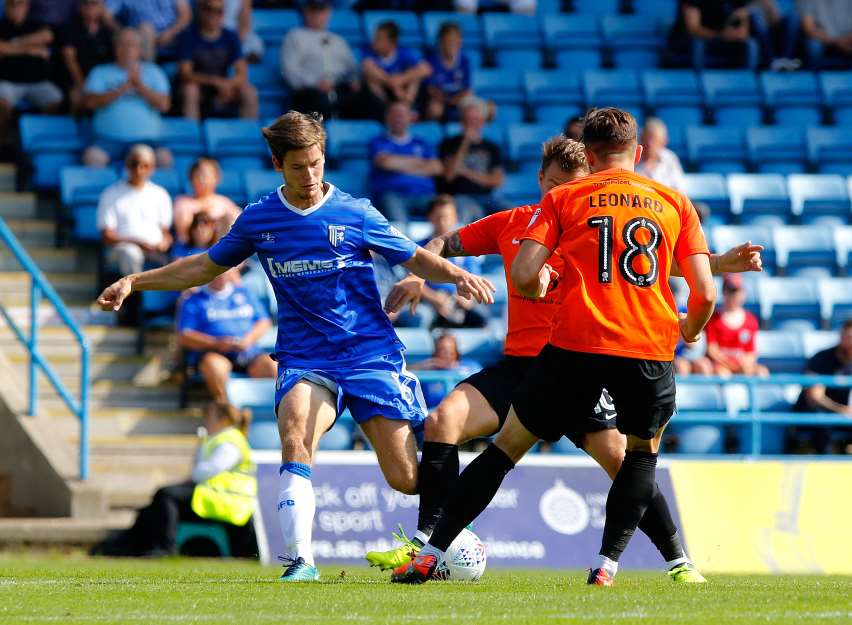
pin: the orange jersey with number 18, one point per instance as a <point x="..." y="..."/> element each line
<point x="617" y="233"/>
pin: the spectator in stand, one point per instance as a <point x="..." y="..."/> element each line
<point x="574" y="128"/>
<point x="391" y="72"/>
<point x="223" y="321"/>
<point x="135" y="215"/>
<point x="159" y="22"/>
<point x="212" y="71"/>
<point x="85" y="42"/>
<point x="402" y="167"/>
<point x="204" y="175"/>
<point x="318" y="65"/>
<point x="732" y="333"/>
<point x="658" y="162"/>
<point x="526" y="7"/>
<point x="690" y="358"/>
<point x="449" y="83"/>
<point x="24" y="64"/>
<point x="127" y="97"/>
<point x="53" y="13"/>
<point x="445" y="356"/>
<point x="238" y="19"/>
<point x="827" y="26"/>
<point x="202" y="235"/>
<point x="720" y="29"/>
<point x="473" y="165"/>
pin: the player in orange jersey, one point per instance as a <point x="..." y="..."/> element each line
<point x="479" y="404"/>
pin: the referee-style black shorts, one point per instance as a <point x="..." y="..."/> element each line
<point x="562" y="387"/>
<point x="499" y="384"/>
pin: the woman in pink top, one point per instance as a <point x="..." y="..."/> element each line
<point x="204" y="175"/>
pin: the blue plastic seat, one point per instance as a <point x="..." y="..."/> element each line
<point x="612" y="88"/>
<point x="712" y="189"/>
<point x="256" y="394"/>
<point x="758" y="194"/>
<point x="170" y="179"/>
<point x="734" y="96"/>
<point x="633" y="41"/>
<point x="264" y="435"/>
<point x="573" y="41"/>
<point x="794" y="96"/>
<point x="234" y="137"/>
<point x="836" y="90"/>
<point x="662" y="9"/>
<point x="349" y="182"/>
<point x="553" y="95"/>
<point x="51" y="142"/>
<point x="819" y="340"/>
<point x="339" y="437"/>
<point x="410" y="30"/>
<point x="817" y="195"/>
<point x="725" y="237"/>
<point x="716" y="149"/>
<point x="835" y="296"/>
<point x="830" y="149"/>
<point x="782" y="352"/>
<point x="699" y="398"/>
<point x="348" y="25"/>
<point x="595" y="8"/>
<point x="181" y="136"/>
<point x="83" y="185"/>
<point x="349" y="139"/>
<point x="231" y="185"/>
<point x="525" y="141"/>
<point x="479" y="344"/>
<point x="843" y="246"/>
<point x="513" y="38"/>
<point x="418" y="343"/>
<point x="157" y="310"/>
<point x="804" y="246"/>
<point x="431" y="132"/>
<point x="671" y="88"/>
<point x="259" y="182"/>
<point x="471" y="30"/>
<point x="788" y="298"/>
<point x="777" y="149"/>
<point x="272" y="24"/>
<point x="520" y="188"/>
<point x="271" y="89"/>
<point x="503" y="86"/>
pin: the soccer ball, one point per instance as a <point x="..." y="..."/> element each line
<point x="465" y="559"/>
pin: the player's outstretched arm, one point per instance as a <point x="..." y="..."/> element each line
<point x="530" y="273"/>
<point x="702" y="296"/>
<point x="740" y="259"/>
<point x="177" y="276"/>
<point x="432" y="267"/>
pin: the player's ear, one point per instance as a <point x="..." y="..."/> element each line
<point x="276" y="163"/>
<point x="590" y="157"/>
<point x="638" y="156"/>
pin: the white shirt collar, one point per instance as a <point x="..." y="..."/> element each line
<point x="306" y="211"/>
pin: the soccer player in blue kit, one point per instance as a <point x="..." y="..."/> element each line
<point x="335" y="344"/>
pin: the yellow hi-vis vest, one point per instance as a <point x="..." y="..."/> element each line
<point x="228" y="496"/>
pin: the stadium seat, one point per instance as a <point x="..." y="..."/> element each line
<point x="431" y="132"/>
<point x="259" y="182"/>
<point x="410" y="31"/>
<point x="781" y="352"/>
<point x="663" y="10"/>
<point x="553" y="95"/>
<point x="691" y="438"/>
<point x="711" y="189"/>
<point x="571" y="32"/>
<point x="666" y="91"/>
<point x="835" y="296"/>
<point x="51" y="142"/>
<point x="349" y="139"/>
<point x="788" y="298"/>
<point x="595" y="8"/>
<point x="612" y="88"/>
<point x="348" y="25"/>
<point x="699" y="397"/>
<point x="272" y="24"/>
<point x="632" y="41"/>
<point x="734" y="96"/>
<point x="725" y="237"/>
<point x="818" y="195"/>
<point x="213" y="533"/>
<point x="794" y="98"/>
<point x="524" y="141"/>
<point x="843" y="247"/>
<point x="264" y="436"/>
<point x="716" y="149"/>
<point x="181" y="136"/>
<point x="339" y="437"/>
<point x="170" y="179"/>
<point x="804" y="246"/>
<point x="818" y="340"/>
<point x="506" y="34"/>
<point x="83" y="185"/>
<point x="830" y="149"/>
<point x="837" y="94"/>
<point x="271" y="89"/>
<point x="503" y="86"/>
<point x="471" y="30"/>
<point x="157" y="311"/>
<point x="234" y="137"/>
<point x="520" y="188"/>
<point x="418" y="343"/>
<point x="697" y="439"/>
<point x="350" y="182"/>
<point x="758" y="194"/>
<point x="777" y="150"/>
<point x="479" y="344"/>
<point x="256" y="394"/>
<point x="231" y="184"/>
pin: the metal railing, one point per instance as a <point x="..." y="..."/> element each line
<point x="41" y="288"/>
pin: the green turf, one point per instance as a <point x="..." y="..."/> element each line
<point x="74" y="589"/>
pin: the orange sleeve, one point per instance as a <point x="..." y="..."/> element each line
<point x="544" y="226"/>
<point x="482" y="236"/>
<point x="691" y="238"/>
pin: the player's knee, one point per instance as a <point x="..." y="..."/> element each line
<point x="442" y="425"/>
<point x="403" y="479"/>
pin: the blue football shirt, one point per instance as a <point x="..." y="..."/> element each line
<point x="407" y="184"/>
<point x="232" y="311"/>
<point x="318" y="261"/>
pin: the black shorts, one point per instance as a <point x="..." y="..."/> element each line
<point x="499" y="384"/>
<point x="643" y="390"/>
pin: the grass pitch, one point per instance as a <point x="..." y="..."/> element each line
<point x="75" y="589"/>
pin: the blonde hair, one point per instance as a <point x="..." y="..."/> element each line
<point x="570" y="155"/>
<point x="294" y="131"/>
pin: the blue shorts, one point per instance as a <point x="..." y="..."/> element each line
<point x="379" y="386"/>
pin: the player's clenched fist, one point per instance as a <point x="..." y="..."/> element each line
<point x="114" y="295"/>
<point x="471" y="286"/>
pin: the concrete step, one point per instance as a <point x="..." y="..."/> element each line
<point x="18" y="205"/>
<point x="69" y="286"/>
<point x="33" y="232"/>
<point x="8" y="173"/>
<point x="101" y="366"/>
<point x="61" y="531"/>
<point x="52" y="260"/>
<point x="102" y="340"/>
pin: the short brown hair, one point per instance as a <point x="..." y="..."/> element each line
<point x="442" y="199"/>
<point x="847" y="325"/>
<point x="609" y="130"/>
<point x="294" y="131"/>
<point x="447" y="28"/>
<point x="390" y="29"/>
<point x="570" y="155"/>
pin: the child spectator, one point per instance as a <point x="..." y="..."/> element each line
<point x="213" y="73"/>
<point x="449" y="83"/>
<point x="204" y="175"/>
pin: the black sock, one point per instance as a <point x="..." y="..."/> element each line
<point x="472" y="493"/>
<point x="657" y="523"/>
<point x="629" y="496"/>
<point x="438" y="473"/>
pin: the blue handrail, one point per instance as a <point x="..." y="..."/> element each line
<point x="40" y="287"/>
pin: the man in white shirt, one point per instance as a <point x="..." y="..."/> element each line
<point x="658" y="162"/>
<point x="134" y="216"/>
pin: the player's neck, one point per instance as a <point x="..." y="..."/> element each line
<point x="304" y="203"/>
<point x="615" y="163"/>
